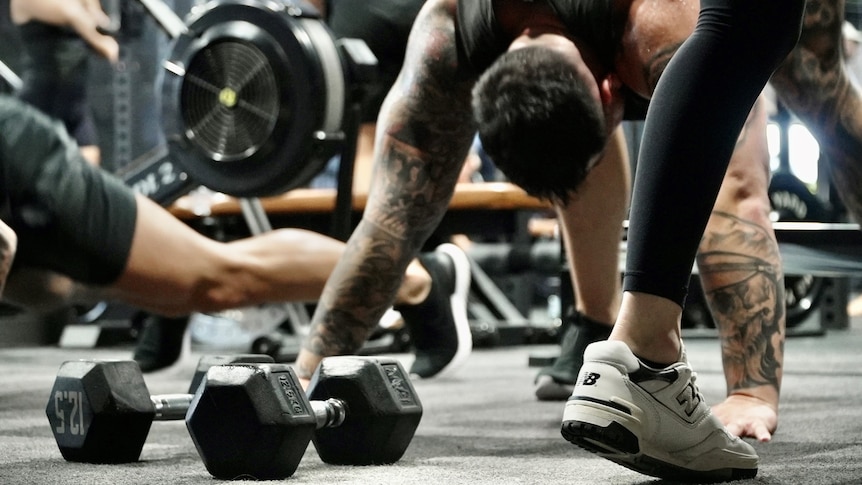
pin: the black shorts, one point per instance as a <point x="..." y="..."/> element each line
<point x="70" y="217"/>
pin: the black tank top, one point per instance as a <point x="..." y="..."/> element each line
<point x="481" y="40"/>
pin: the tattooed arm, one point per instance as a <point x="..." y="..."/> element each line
<point x="740" y="269"/>
<point x="425" y="130"/>
<point x="814" y="85"/>
<point x="8" y="245"/>
<point x="744" y="287"/>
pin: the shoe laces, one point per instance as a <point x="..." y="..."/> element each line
<point x="693" y="379"/>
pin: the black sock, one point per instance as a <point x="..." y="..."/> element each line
<point x="581" y="332"/>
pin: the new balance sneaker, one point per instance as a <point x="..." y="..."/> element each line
<point x="556" y="382"/>
<point x="438" y="326"/>
<point x="653" y="421"/>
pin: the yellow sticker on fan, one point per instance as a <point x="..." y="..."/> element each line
<point x="227" y="97"/>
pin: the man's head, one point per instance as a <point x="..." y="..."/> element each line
<point x="540" y="120"/>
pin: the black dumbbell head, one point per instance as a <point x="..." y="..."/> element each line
<point x="383" y="410"/>
<point x="100" y="412"/>
<point x="251" y="421"/>
<point x="208" y="361"/>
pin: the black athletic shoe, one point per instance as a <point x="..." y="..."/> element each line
<point x="438" y="326"/>
<point x="556" y="382"/>
<point x="160" y="343"/>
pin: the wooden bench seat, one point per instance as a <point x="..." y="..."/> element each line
<point x="484" y="196"/>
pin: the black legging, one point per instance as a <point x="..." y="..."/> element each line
<point x="696" y="114"/>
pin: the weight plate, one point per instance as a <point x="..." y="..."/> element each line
<point x="792" y="202"/>
<point x="253" y="97"/>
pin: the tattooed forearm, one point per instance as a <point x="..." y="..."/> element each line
<point x="361" y="288"/>
<point x="741" y="273"/>
<point x="424" y="129"/>
<point x="813" y="84"/>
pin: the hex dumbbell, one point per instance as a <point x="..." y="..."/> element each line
<point x="361" y="411"/>
<point x="246" y="420"/>
<point x="101" y="412"/>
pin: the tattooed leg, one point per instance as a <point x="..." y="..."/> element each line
<point x="814" y="85"/>
<point x="740" y="269"/>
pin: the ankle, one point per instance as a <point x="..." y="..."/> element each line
<point x="650" y="326"/>
<point x="416" y="285"/>
<point x="767" y="395"/>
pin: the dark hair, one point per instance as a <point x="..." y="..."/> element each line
<point x="538" y="122"/>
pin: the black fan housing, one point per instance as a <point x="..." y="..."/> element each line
<point x="254" y="97"/>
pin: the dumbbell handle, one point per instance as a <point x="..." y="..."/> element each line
<point x="329" y="413"/>
<point x="171" y="407"/>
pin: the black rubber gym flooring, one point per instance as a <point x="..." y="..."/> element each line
<point x="482" y="426"/>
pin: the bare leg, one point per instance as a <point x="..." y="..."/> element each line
<point x="592" y="229"/>
<point x="813" y="83"/>
<point x="740" y="269"/>
<point x="591" y="226"/>
<point x="689" y="137"/>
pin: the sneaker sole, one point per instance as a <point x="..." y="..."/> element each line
<point x="594" y="426"/>
<point x="458" y="301"/>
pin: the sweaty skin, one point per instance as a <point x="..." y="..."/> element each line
<point x="425" y="108"/>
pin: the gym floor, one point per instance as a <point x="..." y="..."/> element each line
<point x="481" y="426"/>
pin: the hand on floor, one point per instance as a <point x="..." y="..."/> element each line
<point x="747" y="417"/>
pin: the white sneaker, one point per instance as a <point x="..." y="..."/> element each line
<point x="653" y="421"/>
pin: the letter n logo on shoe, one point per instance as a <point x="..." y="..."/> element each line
<point x="590" y="379"/>
<point x="689" y="399"/>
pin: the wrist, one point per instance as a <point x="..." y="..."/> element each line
<point x="768" y="395"/>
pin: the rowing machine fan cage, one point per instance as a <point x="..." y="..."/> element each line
<point x="254" y="97"/>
